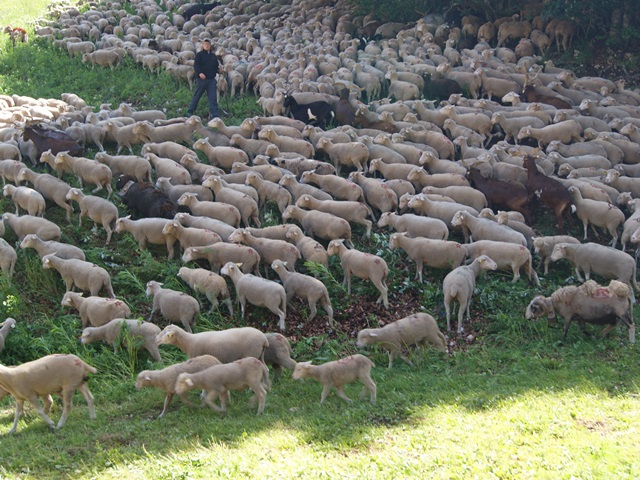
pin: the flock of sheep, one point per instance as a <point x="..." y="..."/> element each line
<point x="575" y="145"/>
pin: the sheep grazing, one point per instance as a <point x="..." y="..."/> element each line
<point x="173" y="305"/>
<point x="165" y="379"/>
<point x="224" y="212"/>
<point x="62" y="250"/>
<point x="484" y="229"/>
<point x="543" y="246"/>
<point x="587" y="303"/>
<point x="269" y="249"/>
<point x="209" y="283"/>
<point x="6" y="327"/>
<point x="459" y="285"/>
<point x="60" y="374"/>
<point x="220" y="253"/>
<point x="145" y="199"/>
<point x="278" y="353"/>
<point x="89" y="171"/>
<point x="96" y="208"/>
<point x="8" y="258"/>
<point x="303" y="286"/>
<point x="119" y="331"/>
<point x="95" y="311"/>
<point x="226" y="345"/>
<point x="257" y="291"/>
<point x="137" y="167"/>
<point x="26" y="198"/>
<point x="27" y="224"/>
<point x="363" y="265"/>
<point x="190" y="236"/>
<point x="310" y="250"/>
<point x="338" y="374"/>
<point x="78" y="273"/>
<point x="217" y="380"/>
<point x="50" y="187"/>
<point x="416" y="329"/>
<point x="246" y="205"/>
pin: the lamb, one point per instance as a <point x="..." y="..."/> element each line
<point x="598" y="214"/>
<point x="415" y="225"/>
<point x="26" y="198"/>
<point x="350" y="154"/>
<point x="95" y="311"/>
<point x="173" y="305"/>
<point x="58" y="373"/>
<point x="459" y="285"/>
<point x="298" y="189"/>
<point x="43" y="247"/>
<point x="28" y="224"/>
<point x="356" y="212"/>
<point x="96" y="208"/>
<point x="587" y="303"/>
<point x="147" y="230"/>
<point x="303" y="286"/>
<point x="220" y="253"/>
<point x="425" y="251"/>
<point x="226" y="345"/>
<point x="278" y="354"/>
<point x="339" y="373"/>
<point x="506" y="255"/>
<point x="258" y="291"/>
<point x="224" y="212"/>
<point x="88" y="171"/>
<point x="246" y="205"/>
<point x="219" y="379"/>
<point x="165" y="379"/>
<point x="8" y="257"/>
<point x="417" y="329"/>
<point x="483" y="229"/>
<point x="543" y="246"/>
<point x="189" y="236"/>
<point x="222" y="156"/>
<point x="363" y="265"/>
<point x="198" y="171"/>
<point x="391" y="171"/>
<point x="137" y="167"/>
<point x="320" y="224"/>
<point x="310" y="250"/>
<point x="209" y="283"/>
<point x="119" y="331"/>
<point x="6" y="327"/>
<point x="269" y="249"/>
<point x="339" y="188"/>
<point x="84" y="275"/>
<point x="604" y="261"/>
<point x="269" y="191"/>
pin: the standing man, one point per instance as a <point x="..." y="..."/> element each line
<point x="206" y="66"/>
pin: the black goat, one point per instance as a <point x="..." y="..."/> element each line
<point x="199" y="9"/>
<point x="145" y="199"/>
<point x="440" y="88"/>
<point x="313" y="113"/>
<point x="344" y="112"/>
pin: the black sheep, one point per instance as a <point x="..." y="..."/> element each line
<point x="199" y="9"/>
<point x="344" y="112"/>
<point x="145" y="199"/>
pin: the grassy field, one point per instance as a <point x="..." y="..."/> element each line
<point x="513" y="402"/>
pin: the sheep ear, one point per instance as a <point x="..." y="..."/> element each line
<point x="239" y="265"/>
<point x="147" y="377"/>
<point x="373" y="335"/>
<point x="13" y="325"/>
<point x="189" y="382"/>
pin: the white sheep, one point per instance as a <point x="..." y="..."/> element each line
<point x="147" y="230"/>
<point x="6" y="327"/>
<point x="338" y="374"/>
<point x="137" y="167"/>
<point x="88" y="171"/>
<point x="190" y="236"/>
<point x="441" y="210"/>
<point x="95" y="311"/>
<point x="84" y="275"/>
<point x="338" y="187"/>
<point x="96" y="208"/>
<point x="42" y="247"/>
<point x="310" y="250"/>
<point x="220" y="253"/>
<point x="60" y="374"/>
<point x="363" y="265"/>
<point x="224" y="212"/>
<point x="506" y="255"/>
<point x="257" y="291"/>
<point x="103" y="58"/>
<point x="173" y="305"/>
<point x="459" y="285"/>
<point x="278" y="353"/>
<point x="169" y="168"/>
<point x="209" y="283"/>
<point x="27" y="224"/>
<point x="544" y="246"/>
<point x="226" y="345"/>
<point x="303" y="286"/>
<point x="50" y="187"/>
<point x="415" y="225"/>
<point x="8" y="258"/>
<point x="268" y="190"/>
<point x="298" y="189"/>
<point x="465" y="195"/>
<point x="417" y="329"/>
<point x="598" y="214"/>
<point x="169" y="149"/>
<point x="320" y="224"/>
<point x="246" y="205"/>
<point x="165" y="379"/>
<point x="351" y="154"/>
<point x="222" y="156"/>
<point x="484" y="229"/>
<point x="217" y="380"/>
<point x="26" y="198"/>
<point x="119" y="331"/>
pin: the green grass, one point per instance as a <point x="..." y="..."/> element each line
<point x="20" y="13"/>
<point x="513" y="402"/>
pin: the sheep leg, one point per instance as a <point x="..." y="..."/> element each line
<point x="48" y="402"/>
<point x="461" y="310"/>
<point x="447" y="309"/>
<point x="325" y="392"/>
<point x="607" y="329"/>
<point x="243" y="302"/>
<point x="167" y="401"/>
<point x="209" y="398"/>
<point x="341" y="394"/>
<point x="312" y="310"/>
<point x="67" y="403"/>
<point x="347" y="280"/>
<point x="326" y="304"/>
<point x="18" y="414"/>
<point x="516" y="273"/>
<point x="370" y="387"/>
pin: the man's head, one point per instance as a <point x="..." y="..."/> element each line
<point x="206" y="44"/>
